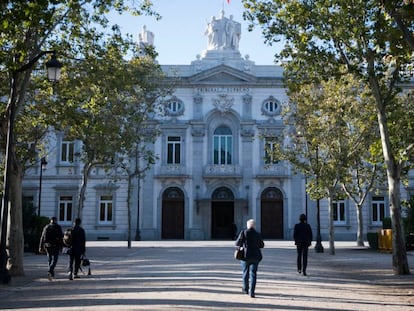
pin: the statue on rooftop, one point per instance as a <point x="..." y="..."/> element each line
<point x="145" y="37"/>
<point x="223" y="33"/>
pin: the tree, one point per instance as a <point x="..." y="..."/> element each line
<point x="331" y="118"/>
<point x="357" y="185"/>
<point x="322" y="36"/>
<point x="106" y="98"/>
<point x="143" y="159"/>
<point x="28" y="29"/>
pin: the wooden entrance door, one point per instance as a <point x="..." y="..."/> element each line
<point x="172" y="214"/>
<point x="272" y="214"/>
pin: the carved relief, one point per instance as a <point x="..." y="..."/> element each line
<point x="198" y="99"/>
<point x="223" y="103"/>
<point x="247" y="132"/>
<point x="197" y="131"/>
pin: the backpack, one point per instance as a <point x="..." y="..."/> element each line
<point x="51" y="238"/>
<point x="67" y="237"/>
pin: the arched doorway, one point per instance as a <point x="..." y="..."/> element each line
<point x="222" y="213"/>
<point x="272" y="213"/>
<point x="172" y="214"/>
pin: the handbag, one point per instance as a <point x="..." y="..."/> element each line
<point x="239" y="253"/>
<point x="85" y="262"/>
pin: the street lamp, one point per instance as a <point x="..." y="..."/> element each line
<point x="9" y="157"/>
<point x="43" y="164"/>
<point x="53" y="67"/>
<point x="318" y="245"/>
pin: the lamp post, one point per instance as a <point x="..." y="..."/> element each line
<point x="53" y="70"/>
<point x="318" y="245"/>
<point x="43" y="164"/>
<point x="137" y="232"/>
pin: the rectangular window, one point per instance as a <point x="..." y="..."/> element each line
<point x="173" y="150"/>
<point x="105" y="209"/>
<point x="270" y="157"/>
<point x="67" y="151"/>
<point x="222" y="145"/>
<point x="65" y="209"/>
<point x="339" y="215"/>
<point x="378" y="210"/>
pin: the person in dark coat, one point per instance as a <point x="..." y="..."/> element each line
<point x="77" y="249"/>
<point x="302" y="235"/>
<point x="252" y="242"/>
<point x="51" y="242"/>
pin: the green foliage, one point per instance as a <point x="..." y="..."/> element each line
<point x="333" y="132"/>
<point x="87" y="44"/>
<point x="326" y="39"/>
<point x="28" y="28"/>
<point x="371" y="40"/>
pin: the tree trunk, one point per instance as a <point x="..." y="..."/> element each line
<point x="399" y="254"/>
<point x="331" y="225"/>
<point x="81" y="199"/>
<point x="15" y="238"/>
<point x="129" y="209"/>
<point x="399" y="262"/>
<point x="360" y="230"/>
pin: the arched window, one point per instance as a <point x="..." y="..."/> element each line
<point x="222" y="145"/>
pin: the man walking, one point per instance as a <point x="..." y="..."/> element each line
<point x="51" y="242"/>
<point x="252" y="242"/>
<point x="78" y="241"/>
<point x="302" y="234"/>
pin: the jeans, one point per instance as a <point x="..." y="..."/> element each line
<point x="249" y="269"/>
<point x="74" y="258"/>
<point x="52" y="256"/>
<point x="302" y="259"/>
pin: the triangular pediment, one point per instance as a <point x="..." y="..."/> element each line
<point x="222" y="74"/>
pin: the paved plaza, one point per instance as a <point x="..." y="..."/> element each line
<point x="202" y="275"/>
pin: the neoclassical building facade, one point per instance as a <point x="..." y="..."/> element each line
<point x="213" y="171"/>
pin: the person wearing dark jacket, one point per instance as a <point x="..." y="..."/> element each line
<point x="77" y="249"/>
<point x="51" y="242"/>
<point x="252" y="242"/>
<point x="302" y="234"/>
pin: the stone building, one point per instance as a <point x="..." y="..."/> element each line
<point x="213" y="171"/>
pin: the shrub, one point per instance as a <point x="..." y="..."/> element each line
<point x="386" y="223"/>
<point x="32" y="227"/>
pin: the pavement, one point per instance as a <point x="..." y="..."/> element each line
<point x="202" y="275"/>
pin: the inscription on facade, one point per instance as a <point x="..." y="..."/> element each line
<point x="220" y="89"/>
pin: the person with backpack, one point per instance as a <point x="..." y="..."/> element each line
<point x="51" y="242"/>
<point x="76" y="241"/>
